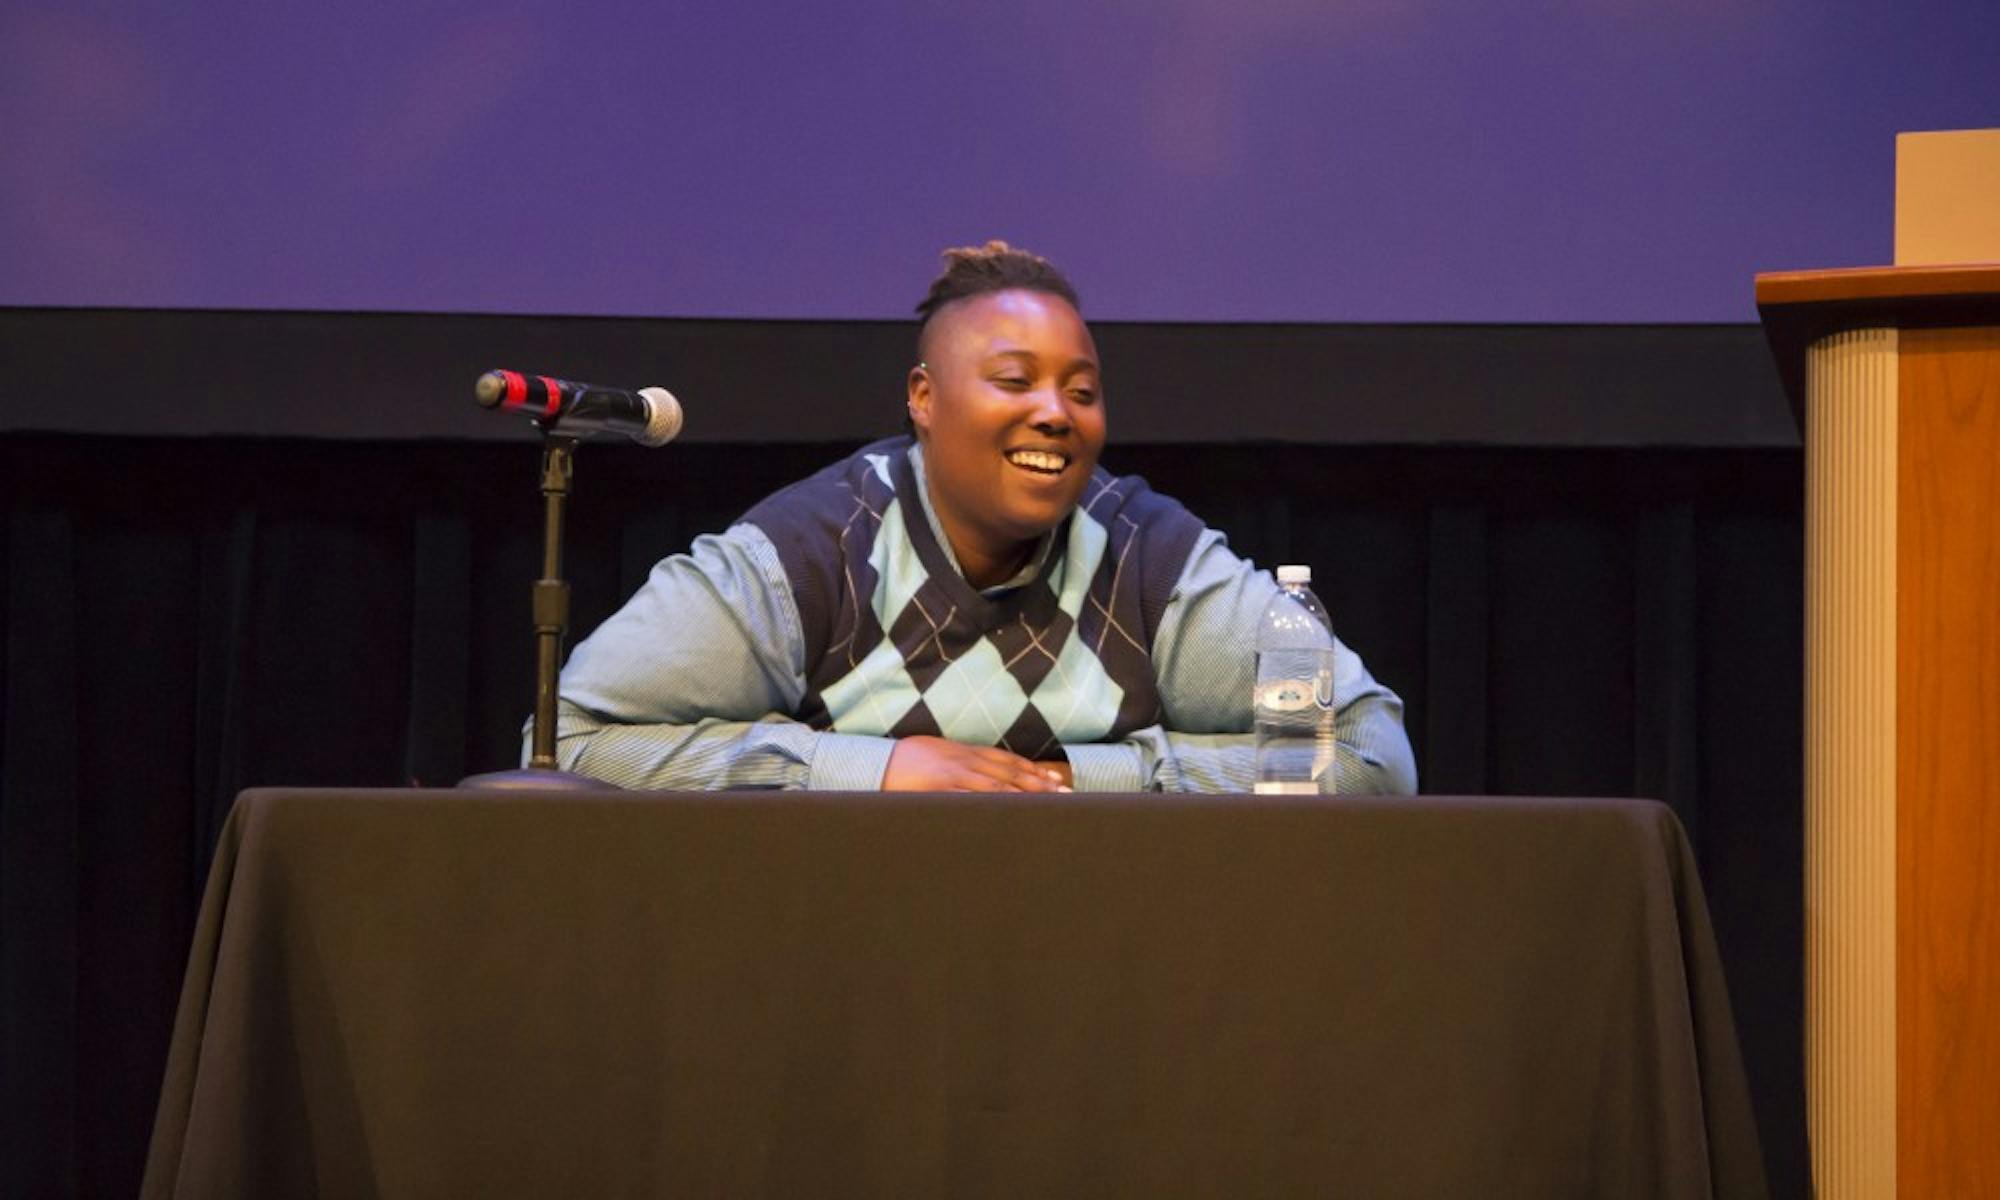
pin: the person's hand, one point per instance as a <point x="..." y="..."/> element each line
<point x="934" y="764"/>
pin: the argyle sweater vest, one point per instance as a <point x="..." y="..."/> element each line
<point x="899" y="644"/>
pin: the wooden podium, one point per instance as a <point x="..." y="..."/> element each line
<point x="1895" y="375"/>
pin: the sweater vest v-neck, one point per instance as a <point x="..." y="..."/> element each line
<point x="898" y="643"/>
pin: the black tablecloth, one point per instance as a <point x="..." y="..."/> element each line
<point x="454" y="993"/>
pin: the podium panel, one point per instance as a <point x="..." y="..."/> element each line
<point x="1948" y="724"/>
<point x="1850" y="774"/>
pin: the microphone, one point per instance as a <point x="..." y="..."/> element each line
<point x="650" y="416"/>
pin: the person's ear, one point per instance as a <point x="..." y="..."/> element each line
<point x="919" y="401"/>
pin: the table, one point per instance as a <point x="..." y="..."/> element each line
<point x="417" y="993"/>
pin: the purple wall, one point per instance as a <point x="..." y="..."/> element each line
<point x="1212" y="160"/>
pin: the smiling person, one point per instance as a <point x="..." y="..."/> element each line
<point x="975" y="607"/>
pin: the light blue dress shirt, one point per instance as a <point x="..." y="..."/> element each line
<point x="690" y="685"/>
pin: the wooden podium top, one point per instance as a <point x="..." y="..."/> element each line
<point x="1865" y="285"/>
<point x="1800" y="307"/>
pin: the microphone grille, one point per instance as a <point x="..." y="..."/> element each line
<point x="663" y="417"/>
<point x="491" y="389"/>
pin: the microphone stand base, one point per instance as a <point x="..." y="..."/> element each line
<point x="536" y="779"/>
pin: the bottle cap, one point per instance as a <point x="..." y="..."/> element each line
<point x="1295" y="573"/>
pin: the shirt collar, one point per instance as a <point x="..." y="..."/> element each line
<point x="1023" y="577"/>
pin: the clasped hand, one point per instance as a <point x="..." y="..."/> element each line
<point x="935" y="764"/>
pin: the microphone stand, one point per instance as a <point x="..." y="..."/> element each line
<point x="551" y="613"/>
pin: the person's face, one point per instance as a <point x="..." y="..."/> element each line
<point x="1010" y="410"/>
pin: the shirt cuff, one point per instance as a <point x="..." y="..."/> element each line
<point x="846" y="762"/>
<point x="1106" y="768"/>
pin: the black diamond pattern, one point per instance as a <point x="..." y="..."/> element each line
<point x="931" y="632"/>
<point x="918" y="722"/>
<point x="1140" y="707"/>
<point x="1030" y="735"/>
<point x="1030" y="650"/>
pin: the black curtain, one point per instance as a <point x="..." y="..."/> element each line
<point x="187" y="617"/>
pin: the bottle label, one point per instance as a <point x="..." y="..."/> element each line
<point x="1286" y="787"/>
<point x="1286" y="695"/>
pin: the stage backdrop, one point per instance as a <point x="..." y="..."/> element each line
<point x="1209" y="160"/>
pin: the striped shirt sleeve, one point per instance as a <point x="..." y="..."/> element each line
<point x="1203" y="654"/>
<point x="688" y="686"/>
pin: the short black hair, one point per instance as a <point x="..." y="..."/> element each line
<point x="994" y="267"/>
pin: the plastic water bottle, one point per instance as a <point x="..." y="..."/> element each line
<point x="1294" y="700"/>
